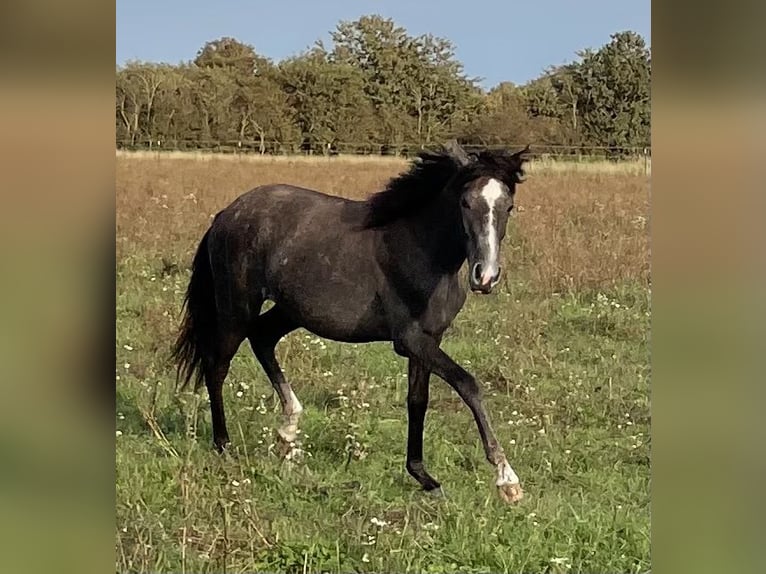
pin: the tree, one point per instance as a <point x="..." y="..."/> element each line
<point x="238" y="95"/>
<point x="383" y="53"/>
<point x="138" y="88"/>
<point x="328" y="98"/>
<point x="552" y="101"/>
<point x="379" y="86"/>
<point x="171" y="107"/>
<point x="601" y="100"/>
<point x="443" y="96"/>
<point x="615" y="92"/>
<point x="230" y="54"/>
<point x="416" y="85"/>
<point x="128" y="108"/>
<point x="504" y="120"/>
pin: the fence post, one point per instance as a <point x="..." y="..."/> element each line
<point x="646" y="161"/>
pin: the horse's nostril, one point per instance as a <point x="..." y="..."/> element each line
<point x="477" y="273"/>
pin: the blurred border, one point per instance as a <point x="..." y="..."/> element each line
<point x="708" y="275"/>
<point x="57" y="299"/>
<point x="57" y="304"/>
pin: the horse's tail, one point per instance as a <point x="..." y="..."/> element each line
<point x="194" y="347"/>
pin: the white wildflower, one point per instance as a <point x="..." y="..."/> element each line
<point x="560" y="561"/>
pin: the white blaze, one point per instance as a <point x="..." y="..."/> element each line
<point x="490" y="193"/>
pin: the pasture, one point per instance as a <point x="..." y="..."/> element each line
<point x="560" y="348"/>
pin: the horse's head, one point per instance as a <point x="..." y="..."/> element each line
<point x="486" y="186"/>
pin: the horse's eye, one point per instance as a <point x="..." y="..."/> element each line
<point x="464" y="203"/>
<point x="510" y="208"/>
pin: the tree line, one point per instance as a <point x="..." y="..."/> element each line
<point x="384" y="91"/>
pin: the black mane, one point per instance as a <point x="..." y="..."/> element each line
<point x="500" y="164"/>
<point x="429" y="175"/>
<point x="409" y="192"/>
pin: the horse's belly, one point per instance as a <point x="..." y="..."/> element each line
<point x="345" y="321"/>
<point x="340" y="310"/>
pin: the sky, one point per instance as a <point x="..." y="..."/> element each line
<point x="496" y="40"/>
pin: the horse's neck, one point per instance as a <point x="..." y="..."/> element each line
<point x="437" y="234"/>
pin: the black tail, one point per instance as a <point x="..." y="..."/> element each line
<point x="194" y="346"/>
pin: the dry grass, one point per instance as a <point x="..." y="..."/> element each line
<point x="547" y="164"/>
<point x="540" y="164"/>
<point x="201" y="155"/>
<point x="573" y="230"/>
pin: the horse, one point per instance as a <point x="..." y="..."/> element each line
<point x="382" y="269"/>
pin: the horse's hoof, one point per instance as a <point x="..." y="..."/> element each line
<point x="510" y="492"/>
<point x="287" y="435"/>
<point x="436" y="492"/>
<point x="222" y="447"/>
<point x="283" y="447"/>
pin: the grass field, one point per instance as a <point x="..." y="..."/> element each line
<point x="545" y="163"/>
<point x="561" y="349"/>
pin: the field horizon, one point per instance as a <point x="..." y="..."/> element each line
<point x="543" y="163"/>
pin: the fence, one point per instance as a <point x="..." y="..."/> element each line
<point x="543" y="151"/>
<point x="403" y="149"/>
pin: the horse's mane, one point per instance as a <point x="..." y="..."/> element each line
<point x="409" y="192"/>
<point x="429" y="175"/>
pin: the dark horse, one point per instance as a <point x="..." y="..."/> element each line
<point x="384" y="269"/>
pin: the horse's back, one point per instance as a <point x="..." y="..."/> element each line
<point x="305" y="250"/>
<point x="267" y="216"/>
<point x="282" y="201"/>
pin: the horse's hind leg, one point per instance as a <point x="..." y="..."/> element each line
<point x="215" y="374"/>
<point x="264" y="335"/>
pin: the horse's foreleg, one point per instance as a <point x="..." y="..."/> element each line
<point x="426" y="349"/>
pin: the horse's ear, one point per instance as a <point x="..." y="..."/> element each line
<point x="457" y="153"/>
<point x="519" y="155"/>
<point x="519" y="176"/>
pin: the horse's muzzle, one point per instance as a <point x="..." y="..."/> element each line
<point x="482" y="282"/>
<point x="483" y="289"/>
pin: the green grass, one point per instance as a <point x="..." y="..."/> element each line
<point x="566" y="380"/>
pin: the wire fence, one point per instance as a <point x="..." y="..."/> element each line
<point x="403" y="149"/>
<point x="639" y="158"/>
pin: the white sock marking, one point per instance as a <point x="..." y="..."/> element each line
<point x="505" y="474"/>
<point x="293" y="405"/>
<point x="291" y="415"/>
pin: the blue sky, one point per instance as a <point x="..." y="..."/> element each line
<point x="497" y="40"/>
